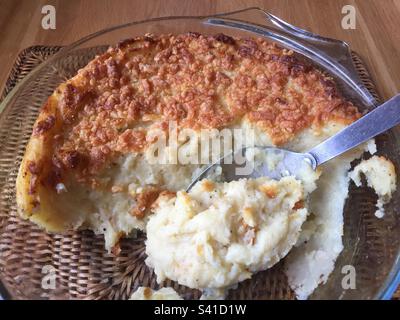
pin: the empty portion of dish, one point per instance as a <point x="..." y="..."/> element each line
<point x="146" y="293"/>
<point x="381" y="176"/>
<point x="219" y="234"/>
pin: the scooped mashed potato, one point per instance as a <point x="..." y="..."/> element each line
<point x="146" y="293"/>
<point x="219" y="234"/>
<point x="381" y="176"/>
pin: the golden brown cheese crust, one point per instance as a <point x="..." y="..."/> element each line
<point x="197" y="80"/>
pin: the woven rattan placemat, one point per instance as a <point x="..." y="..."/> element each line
<point x="89" y="274"/>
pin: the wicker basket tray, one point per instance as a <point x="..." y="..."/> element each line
<point x="83" y="269"/>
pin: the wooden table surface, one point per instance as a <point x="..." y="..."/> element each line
<point x="376" y="36"/>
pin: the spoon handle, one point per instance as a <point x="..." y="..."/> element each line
<point x="382" y="118"/>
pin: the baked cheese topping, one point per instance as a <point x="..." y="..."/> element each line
<point x="219" y="234"/>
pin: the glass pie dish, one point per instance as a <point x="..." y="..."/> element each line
<point x="82" y="267"/>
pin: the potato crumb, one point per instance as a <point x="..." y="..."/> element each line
<point x="381" y="176"/>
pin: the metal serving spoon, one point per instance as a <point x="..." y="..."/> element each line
<point x="381" y="119"/>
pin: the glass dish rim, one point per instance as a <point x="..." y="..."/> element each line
<point x="392" y="281"/>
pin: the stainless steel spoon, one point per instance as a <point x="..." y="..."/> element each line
<point x="381" y="119"/>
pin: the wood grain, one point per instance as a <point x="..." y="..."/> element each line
<point x="376" y="37"/>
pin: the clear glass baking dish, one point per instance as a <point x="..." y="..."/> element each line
<point x="372" y="245"/>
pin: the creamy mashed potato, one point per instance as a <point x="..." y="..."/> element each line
<point x="219" y="234"/>
<point x="260" y="158"/>
<point x="381" y="176"/>
<point x="146" y="293"/>
<point x="313" y="259"/>
<point x="129" y="179"/>
<point x="97" y="122"/>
